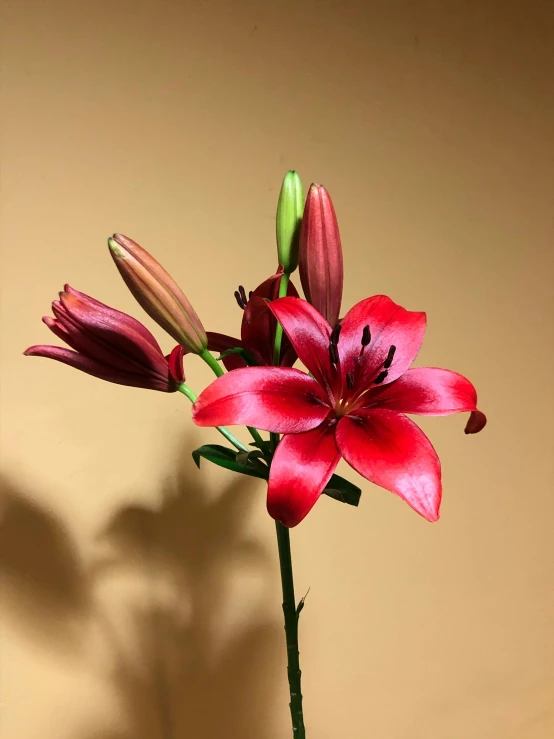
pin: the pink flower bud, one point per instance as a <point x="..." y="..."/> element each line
<point x="158" y="293"/>
<point x="320" y="259"/>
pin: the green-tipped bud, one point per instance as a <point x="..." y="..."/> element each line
<point x="289" y="219"/>
<point x="158" y="293"/>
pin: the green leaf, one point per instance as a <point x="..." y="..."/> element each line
<point x="248" y="464"/>
<point x="225" y="457"/>
<point x="343" y="490"/>
<point x="301" y="605"/>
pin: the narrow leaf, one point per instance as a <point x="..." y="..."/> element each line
<point x="301" y="605"/>
<point x="225" y="457"/>
<point x="343" y="490"/>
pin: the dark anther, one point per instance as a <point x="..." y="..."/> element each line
<point x="240" y="297"/>
<point x="366" y="336"/>
<point x="333" y="353"/>
<point x="249" y="294"/>
<point x="335" y="333"/>
<point x="350" y="380"/>
<point x="380" y="377"/>
<point x="388" y="361"/>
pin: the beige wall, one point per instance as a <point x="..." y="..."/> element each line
<point x="140" y="596"/>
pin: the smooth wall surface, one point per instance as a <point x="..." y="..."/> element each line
<point x="140" y="596"/>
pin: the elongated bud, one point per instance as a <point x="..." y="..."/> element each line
<point x="158" y="293"/>
<point x="320" y="257"/>
<point x="289" y="219"/>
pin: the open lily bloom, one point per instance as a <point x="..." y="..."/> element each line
<point x="353" y="404"/>
<point x="257" y="329"/>
<point x="108" y="344"/>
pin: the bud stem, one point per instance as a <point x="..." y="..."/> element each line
<point x="283" y="288"/>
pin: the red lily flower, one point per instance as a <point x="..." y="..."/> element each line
<point x="109" y="344"/>
<point x="257" y="329"/>
<point x="353" y="405"/>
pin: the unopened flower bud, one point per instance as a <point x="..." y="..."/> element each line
<point x="289" y="220"/>
<point x="158" y="293"/>
<point x="321" y="269"/>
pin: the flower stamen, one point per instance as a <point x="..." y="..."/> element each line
<point x="390" y="356"/>
<point x="335" y="334"/>
<point x="380" y="377"/>
<point x="240" y="297"/>
<point x="333" y="341"/>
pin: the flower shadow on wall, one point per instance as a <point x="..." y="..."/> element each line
<point x="170" y="668"/>
<point x="42" y="578"/>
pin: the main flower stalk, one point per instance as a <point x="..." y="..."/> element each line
<point x="291" y="614"/>
<point x="290" y="611"/>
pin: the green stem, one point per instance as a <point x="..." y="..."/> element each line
<point x="283" y="288"/>
<point x="210" y="360"/>
<point x="287" y="581"/>
<point x="191" y="395"/>
<point x="219" y="371"/>
<point x="291" y="632"/>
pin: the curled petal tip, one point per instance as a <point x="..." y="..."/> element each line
<point x="432" y="516"/>
<point x="476" y="422"/>
<point x="175" y="361"/>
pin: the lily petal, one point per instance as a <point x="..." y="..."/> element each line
<point x="258" y="328"/>
<point x="389" y="325"/>
<point x="391" y="451"/>
<point x="475" y="423"/>
<point x="301" y="467"/>
<point x="104" y="331"/>
<point x="429" y="391"/>
<point x="221" y="343"/>
<point x="309" y="333"/>
<point x="279" y="399"/>
<point x="120" y="355"/>
<point x="97" y="369"/>
<point x="269" y="289"/>
<point x="175" y="364"/>
<point x="125" y="321"/>
<point x="259" y="324"/>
